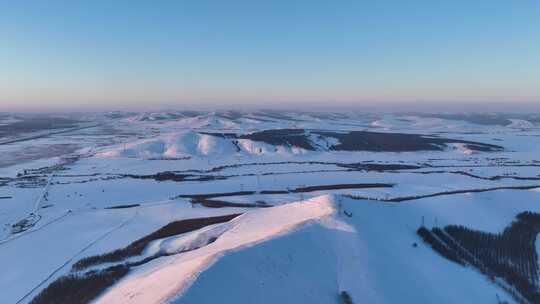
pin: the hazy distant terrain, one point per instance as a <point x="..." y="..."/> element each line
<point x="269" y="207"/>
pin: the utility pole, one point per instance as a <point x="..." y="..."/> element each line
<point x="339" y="206"/>
<point x="301" y="193"/>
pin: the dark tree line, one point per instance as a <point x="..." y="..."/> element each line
<point x="137" y="247"/>
<point x="439" y="246"/>
<point x="80" y="289"/>
<point x="510" y="255"/>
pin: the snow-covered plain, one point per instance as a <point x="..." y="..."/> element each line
<point x="57" y="190"/>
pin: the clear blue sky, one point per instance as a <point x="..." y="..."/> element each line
<point x="174" y="53"/>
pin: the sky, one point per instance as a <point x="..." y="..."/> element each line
<point x="125" y="55"/>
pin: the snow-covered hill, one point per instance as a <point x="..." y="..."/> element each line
<point x="374" y="255"/>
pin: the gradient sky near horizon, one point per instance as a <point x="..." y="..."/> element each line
<point x="117" y="54"/>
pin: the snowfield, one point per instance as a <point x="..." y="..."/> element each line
<point x="312" y="207"/>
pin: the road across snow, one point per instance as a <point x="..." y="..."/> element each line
<point x="164" y="278"/>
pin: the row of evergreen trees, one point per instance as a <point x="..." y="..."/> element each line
<point x="510" y="255"/>
<point x="80" y="288"/>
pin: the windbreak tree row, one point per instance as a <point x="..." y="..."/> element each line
<point x="509" y="256"/>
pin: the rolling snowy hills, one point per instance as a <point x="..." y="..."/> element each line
<point x="266" y="207"/>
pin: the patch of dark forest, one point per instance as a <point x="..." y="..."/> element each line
<point x="509" y="259"/>
<point x="82" y="288"/>
<point x="215" y="203"/>
<point x="357" y="140"/>
<point x="123" y="206"/>
<point x="398" y="142"/>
